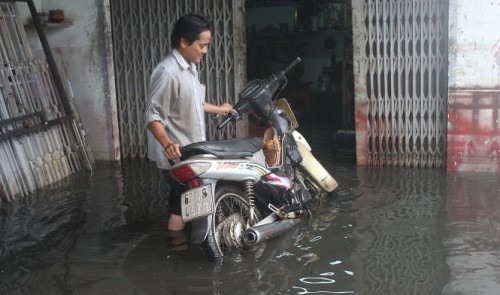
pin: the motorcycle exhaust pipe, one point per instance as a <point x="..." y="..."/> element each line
<point x="262" y="233"/>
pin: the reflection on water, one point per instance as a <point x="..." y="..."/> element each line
<point x="473" y="237"/>
<point x="40" y="235"/>
<point x="399" y="225"/>
<point x="387" y="231"/>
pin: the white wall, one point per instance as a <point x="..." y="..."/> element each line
<point x="85" y="50"/>
<point x="475" y="44"/>
<point x="473" y="136"/>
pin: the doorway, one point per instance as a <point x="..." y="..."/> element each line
<point x="386" y="108"/>
<point x="320" y="89"/>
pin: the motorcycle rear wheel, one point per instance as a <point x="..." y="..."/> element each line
<point x="229" y="222"/>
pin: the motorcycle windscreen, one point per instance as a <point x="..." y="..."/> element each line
<point x="282" y="104"/>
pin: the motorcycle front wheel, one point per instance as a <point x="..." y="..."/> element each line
<point x="229" y="222"/>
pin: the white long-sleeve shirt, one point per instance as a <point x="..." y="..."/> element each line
<point x="176" y="99"/>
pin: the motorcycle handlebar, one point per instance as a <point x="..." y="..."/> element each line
<point x="292" y="64"/>
<point x="230" y="117"/>
<point x="259" y="92"/>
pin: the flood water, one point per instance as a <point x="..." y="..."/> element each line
<point x="386" y="231"/>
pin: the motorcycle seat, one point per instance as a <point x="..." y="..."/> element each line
<point x="225" y="149"/>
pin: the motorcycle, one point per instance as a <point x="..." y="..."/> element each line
<point x="235" y="199"/>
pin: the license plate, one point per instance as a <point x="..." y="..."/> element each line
<point x="197" y="202"/>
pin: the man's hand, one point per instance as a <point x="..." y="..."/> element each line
<point x="225" y="108"/>
<point x="172" y="151"/>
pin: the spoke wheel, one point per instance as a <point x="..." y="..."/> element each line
<point x="229" y="222"/>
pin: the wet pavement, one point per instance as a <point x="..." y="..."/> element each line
<point x="386" y="231"/>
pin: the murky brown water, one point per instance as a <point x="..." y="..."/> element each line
<point x="389" y="231"/>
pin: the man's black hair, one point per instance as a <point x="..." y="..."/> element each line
<point x="189" y="27"/>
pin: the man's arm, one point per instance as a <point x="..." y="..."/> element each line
<point x="222" y="109"/>
<point x="170" y="148"/>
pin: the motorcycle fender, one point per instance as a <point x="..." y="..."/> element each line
<point x="315" y="170"/>
<point x="199" y="229"/>
<point x="299" y="138"/>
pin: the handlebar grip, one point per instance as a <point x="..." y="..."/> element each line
<point x="292" y="64"/>
<point x="224" y="123"/>
<point x="228" y="118"/>
<point x="232" y="116"/>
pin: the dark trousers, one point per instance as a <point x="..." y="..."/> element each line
<point x="175" y="192"/>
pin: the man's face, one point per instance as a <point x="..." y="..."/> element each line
<point x="195" y="51"/>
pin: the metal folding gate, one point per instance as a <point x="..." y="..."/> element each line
<point x="41" y="140"/>
<point x="400" y="53"/>
<point x="141" y="38"/>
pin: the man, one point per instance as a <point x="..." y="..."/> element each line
<point x="176" y="106"/>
